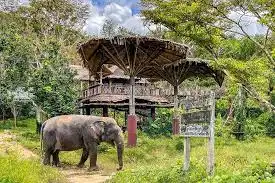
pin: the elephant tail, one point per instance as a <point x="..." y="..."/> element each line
<point x="41" y="138"/>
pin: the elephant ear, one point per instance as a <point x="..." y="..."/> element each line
<point x="98" y="128"/>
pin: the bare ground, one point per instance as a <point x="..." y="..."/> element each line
<point x="9" y="145"/>
<point x="75" y="175"/>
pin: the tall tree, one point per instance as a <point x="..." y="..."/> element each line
<point x="36" y="47"/>
<point x="208" y="23"/>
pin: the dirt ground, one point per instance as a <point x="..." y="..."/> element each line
<point x="8" y="144"/>
<point x="75" y="175"/>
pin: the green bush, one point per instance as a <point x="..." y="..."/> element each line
<point x="258" y="171"/>
<point x="162" y="125"/>
<point x="14" y="170"/>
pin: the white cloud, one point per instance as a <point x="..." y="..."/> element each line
<point x="95" y="22"/>
<point x="248" y="22"/>
<point x="135" y="24"/>
<point x="119" y="14"/>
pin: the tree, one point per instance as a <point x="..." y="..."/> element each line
<point x="52" y="83"/>
<point x="37" y="45"/>
<point x="111" y="29"/>
<point x="15" y="59"/>
<point x="208" y="23"/>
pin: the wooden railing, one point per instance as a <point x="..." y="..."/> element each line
<point x="118" y="89"/>
<point x="140" y="90"/>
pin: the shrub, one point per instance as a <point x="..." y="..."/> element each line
<point x="161" y="126"/>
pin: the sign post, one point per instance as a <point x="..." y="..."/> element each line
<point x="198" y="121"/>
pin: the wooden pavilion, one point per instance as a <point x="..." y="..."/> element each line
<point x="144" y="57"/>
<point x="113" y="91"/>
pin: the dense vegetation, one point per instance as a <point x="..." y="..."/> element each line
<point x="38" y="43"/>
<point x="158" y="159"/>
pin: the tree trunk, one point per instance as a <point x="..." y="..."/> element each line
<point x="240" y="113"/>
<point x="176" y="121"/>
<point x="14" y="115"/>
<point x="4" y="113"/>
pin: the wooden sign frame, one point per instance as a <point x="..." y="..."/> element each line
<point x="196" y="128"/>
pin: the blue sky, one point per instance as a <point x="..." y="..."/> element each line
<point x="123" y="12"/>
<point x="126" y="14"/>
<point x="133" y="4"/>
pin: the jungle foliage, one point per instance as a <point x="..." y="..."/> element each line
<point x="210" y="26"/>
<point x="37" y="45"/>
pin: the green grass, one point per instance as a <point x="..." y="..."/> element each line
<point x="15" y="170"/>
<point x="234" y="161"/>
<point x="160" y="159"/>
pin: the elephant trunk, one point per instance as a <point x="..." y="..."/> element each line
<point x="120" y="148"/>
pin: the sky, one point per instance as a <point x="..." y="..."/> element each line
<point x="122" y="12"/>
<point x="126" y="13"/>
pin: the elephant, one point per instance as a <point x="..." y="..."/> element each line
<point x="73" y="132"/>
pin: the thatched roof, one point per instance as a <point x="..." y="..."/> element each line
<point x="177" y="72"/>
<point x="131" y="54"/>
<point x="147" y="58"/>
<point x="82" y="73"/>
<point x="117" y="73"/>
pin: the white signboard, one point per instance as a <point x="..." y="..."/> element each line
<point x="198" y="121"/>
<point x="194" y="130"/>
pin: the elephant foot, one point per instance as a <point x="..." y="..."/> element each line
<point x="80" y="165"/>
<point x="46" y="163"/>
<point x="119" y="168"/>
<point x="94" y="168"/>
<point x="56" y="164"/>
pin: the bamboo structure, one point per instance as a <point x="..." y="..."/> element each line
<point x="145" y="57"/>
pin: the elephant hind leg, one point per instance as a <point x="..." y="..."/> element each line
<point x="84" y="157"/>
<point x="56" y="161"/>
<point x="47" y="157"/>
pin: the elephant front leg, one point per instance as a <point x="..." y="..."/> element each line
<point x="93" y="157"/>
<point x="84" y="158"/>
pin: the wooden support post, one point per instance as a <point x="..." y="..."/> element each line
<point x="211" y="156"/>
<point x="132" y="96"/>
<point x="125" y="117"/>
<point x="105" y="111"/>
<point x="132" y="130"/>
<point x="187" y="149"/>
<point x="153" y="113"/>
<point x="176" y="120"/>
<point x="88" y="110"/>
<point x="100" y="76"/>
<point x="81" y="111"/>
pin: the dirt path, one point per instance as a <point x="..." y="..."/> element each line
<point x="9" y="145"/>
<point x="75" y="175"/>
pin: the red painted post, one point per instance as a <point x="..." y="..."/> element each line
<point x="132" y="130"/>
<point x="176" y="126"/>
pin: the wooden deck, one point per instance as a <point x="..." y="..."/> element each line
<point x="120" y="89"/>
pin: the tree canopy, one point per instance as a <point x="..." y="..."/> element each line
<point x="210" y="27"/>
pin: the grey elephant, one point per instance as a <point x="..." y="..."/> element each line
<point x="72" y="132"/>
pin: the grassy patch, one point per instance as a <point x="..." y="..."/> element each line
<point x="160" y="159"/>
<point x="236" y="161"/>
<point x="14" y="170"/>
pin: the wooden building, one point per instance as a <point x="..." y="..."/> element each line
<point x="143" y="57"/>
<point x="112" y="90"/>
